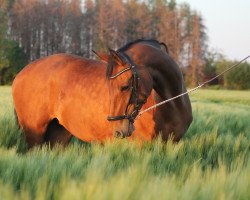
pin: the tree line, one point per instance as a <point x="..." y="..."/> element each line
<point x="44" y="27"/>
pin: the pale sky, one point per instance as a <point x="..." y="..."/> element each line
<point x="228" y="25"/>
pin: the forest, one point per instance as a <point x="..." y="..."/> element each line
<point x="31" y="29"/>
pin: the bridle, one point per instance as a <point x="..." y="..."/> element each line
<point x="134" y="93"/>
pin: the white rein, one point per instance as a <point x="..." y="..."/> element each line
<point x="192" y="90"/>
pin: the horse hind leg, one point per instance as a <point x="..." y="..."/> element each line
<point x="16" y="119"/>
<point x="56" y="133"/>
<point x="34" y="135"/>
<point x="30" y="138"/>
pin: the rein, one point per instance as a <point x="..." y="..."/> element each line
<point x="192" y="90"/>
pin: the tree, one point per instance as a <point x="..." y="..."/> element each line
<point x="210" y="67"/>
<point x="45" y="27"/>
<point x="12" y="60"/>
<point x="89" y="32"/>
<point x="197" y="58"/>
<point x="238" y="78"/>
<point x="3" y="34"/>
<point x="138" y="21"/>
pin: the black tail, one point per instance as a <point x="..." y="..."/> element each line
<point x="16" y="118"/>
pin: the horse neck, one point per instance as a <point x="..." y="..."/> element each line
<point x="165" y="73"/>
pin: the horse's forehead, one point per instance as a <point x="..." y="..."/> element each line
<point x="123" y="79"/>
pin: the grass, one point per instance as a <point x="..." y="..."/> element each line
<point x="211" y="162"/>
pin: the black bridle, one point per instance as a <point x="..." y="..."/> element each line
<point x="134" y="93"/>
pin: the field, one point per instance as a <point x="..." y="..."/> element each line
<point x="211" y="162"/>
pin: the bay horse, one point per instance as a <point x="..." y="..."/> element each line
<point x="64" y="95"/>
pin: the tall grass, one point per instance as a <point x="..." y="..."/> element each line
<point x="211" y="162"/>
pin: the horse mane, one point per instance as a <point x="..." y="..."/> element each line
<point x="152" y="42"/>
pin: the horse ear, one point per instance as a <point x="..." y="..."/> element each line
<point x="116" y="57"/>
<point x="103" y="56"/>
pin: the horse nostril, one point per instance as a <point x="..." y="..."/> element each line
<point x="118" y="134"/>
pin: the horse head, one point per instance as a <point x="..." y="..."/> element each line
<point x="129" y="87"/>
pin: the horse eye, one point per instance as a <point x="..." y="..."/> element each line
<point x="126" y="87"/>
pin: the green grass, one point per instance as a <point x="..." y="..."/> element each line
<point x="211" y="162"/>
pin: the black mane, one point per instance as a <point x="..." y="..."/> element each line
<point x="124" y="48"/>
<point x="152" y="42"/>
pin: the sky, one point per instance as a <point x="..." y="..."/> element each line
<point x="228" y="25"/>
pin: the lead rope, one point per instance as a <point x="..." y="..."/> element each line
<point x="192" y="90"/>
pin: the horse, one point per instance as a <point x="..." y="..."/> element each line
<point x="63" y="95"/>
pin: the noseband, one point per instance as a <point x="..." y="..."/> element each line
<point x="134" y="93"/>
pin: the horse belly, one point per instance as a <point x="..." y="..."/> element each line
<point x="84" y="115"/>
<point x="85" y="129"/>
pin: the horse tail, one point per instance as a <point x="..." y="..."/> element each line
<point x="165" y="46"/>
<point x="16" y="118"/>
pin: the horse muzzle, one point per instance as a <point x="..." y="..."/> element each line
<point x="123" y="134"/>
